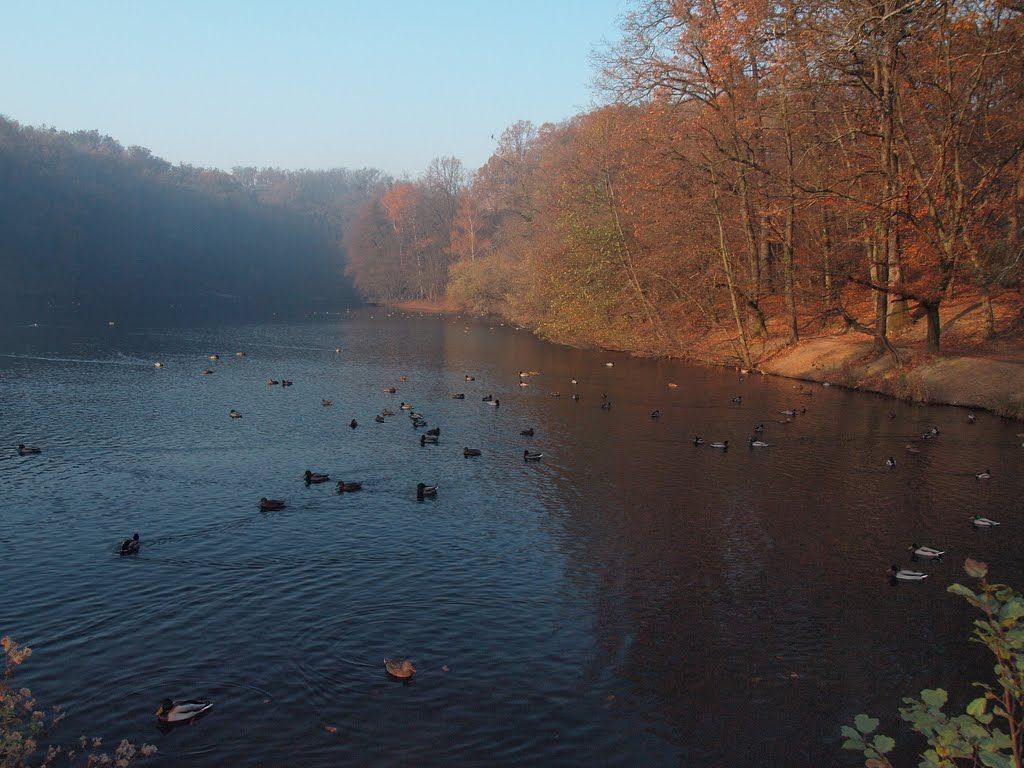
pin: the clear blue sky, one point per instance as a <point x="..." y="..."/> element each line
<point x="301" y="84"/>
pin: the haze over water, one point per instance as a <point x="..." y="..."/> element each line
<point x="631" y="599"/>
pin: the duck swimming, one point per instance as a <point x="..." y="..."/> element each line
<point x="400" y="668"/>
<point x="891" y="462"/>
<point x="326" y="402"/>
<point x="271" y="505"/>
<point x="181" y="711"/>
<point x="379" y="419"/>
<point x="315" y="477"/>
<point x="432" y="439"/>
<point x="422" y="489"/>
<point x="235" y="414"/>
<point x="698" y="440"/>
<point x="27" y="450"/>
<point x="928" y="553"/>
<point x="755" y="443"/>
<point x="526" y="432"/>
<point x="158" y="364"/>
<point x="352" y="486"/>
<point x="390" y="390"/>
<point x="353" y="423"/>
<point x="131" y="546"/>
<point x="495" y="403"/>
<point x="529" y="455"/>
<point x="655" y="413"/>
<point x="902" y="574"/>
<point x="436" y="431"/>
<point x="722" y="444"/>
<point x="405" y="407"/>
<point x="983" y="522"/>
<point x="467" y="452"/>
<point x="983" y="475"/>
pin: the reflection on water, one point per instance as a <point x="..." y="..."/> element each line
<point x="630" y="599"/>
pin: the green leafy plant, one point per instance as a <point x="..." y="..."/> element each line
<point x="989" y="733"/>
<point x="23" y="725"/>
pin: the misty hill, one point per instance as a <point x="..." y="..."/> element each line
<point x="89" y="226"/>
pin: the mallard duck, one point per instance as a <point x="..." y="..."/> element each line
<point x="400" y="668"/>
<point x="350" y="486"/>
<point x="655" y="413"/>
<point x="207" y="372"/>
<point x="575" y="396"/>
<point x="891" y="462"/>
<point x="432" y="439"/>
<point x="470" y="378"/>
<point x="402" y="379"/>
<point x="790" y="412"/>
<point x="315" y="477"/>
<point x="158" y="364"/>
<point x="759" y="428"/>
<point x="286" y="383"/>
<point x="436" y="431"/>
<point x="458" y="395"/>
<point x="467" y="452"/>
<point x="422" y="489"/>
<point x="928" y="553"/>
<point x="755" y="443"/>
<point x="386" y="412"/>
<point x="213" y="357"/>
<point x="903" y="574"/>
<point x="983" y="475"/>
<point x="606" y="406"/>
<point x="272" y="382"/>
<point x="911" y="448"/>
<point x="698" y="440"/>
<point x="487" y="398"/>
<point x="526" y="432"/>
<point x="738" y="399"/>
<point x="326" y="402"/>
<point x="235" y="414"/>
<point x="495" y="402"/>
<point x="983" y="522"/>
<point x="405" y="406"/>
<point x="27" y="450"/>
<point x="970" y="418"/>
<point x="721" y="444"/>
<point x="271" y="505"/>
<point x="417" y="423"/>
<point x="529" y="455"/>
<point x="524" y="383"/>
<point x="131" y="546"/>
<point x="239" y="354"/>
<point x="353" y="423"/>
<point x="181" y="711"/>
<point x="390" y="390"/>
<point x="415" y="416"/>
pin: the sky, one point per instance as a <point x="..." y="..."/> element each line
<point x="302" y="84"/>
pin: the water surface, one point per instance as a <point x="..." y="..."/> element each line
<point x="631" y="599"/>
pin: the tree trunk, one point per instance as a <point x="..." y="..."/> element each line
<point x="934" y="328"/>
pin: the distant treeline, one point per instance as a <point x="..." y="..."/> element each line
<point x="88" y="226"/>
<point x="759" y="169"/>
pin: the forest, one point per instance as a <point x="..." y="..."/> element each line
<point x="758" y="171"/>
<point x="90" y="227"/>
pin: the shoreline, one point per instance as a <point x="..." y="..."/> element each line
<point x="987" y="379"/>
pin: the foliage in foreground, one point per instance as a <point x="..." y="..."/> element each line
<point x="989" y="733"/>
<point x="23" y="726"/>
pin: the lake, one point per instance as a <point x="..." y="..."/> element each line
<point x="630" y="599"/>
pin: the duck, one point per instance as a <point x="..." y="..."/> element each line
<point x="755" y="443"/>
<point x="467" y="452"/>
<point x="606" y="406"/>
<point x="28" y="450"/>
<point x="526" y="432"/>
<point x="404" y="406"/>
<point x="400" y="668"/>
<point x="414" y="416"/>
<point x="655" y="413"/>
<point x="928" y="553"/>
<point x="529" y="455"/>
<point x="235" y="414"/>
<point x="609" y="365"/>
<point x="354" y="485"/>
<point x="422" y="489"/>
<point x="272" y="382"/>
<point x="911" y="448"/>
<point x="722" y="444"/>
<point x="271" y="505"/>
<point x="487" y="398"/>
<point x="759" y="428"/>
<point x="379" y="419"/>
<point x="903" y="574"/>
<point x="158" y="364"/>
<point x="239" y="354"/>
<point x="790" y="412"/>
<point x="181" y="711"/>
<point x="673" y="385"/>
<point x="353" y="423"/>
<point x="891" y="462"/>
<point x="418" y="423"/>
<point x="470" y="378"/>
<point x="315" y="477"/>
<point x="575" y="396"/>
<point x="573" y="381"/>
<point x="326" y="402"/>
<point x="131" y="546"/>
<point x="213" y="357"/>
<point x="402" y="379"/>
<point x="983" y="522"/>
<point x="286" y="383"/>
<point x="432" y="439"/>
<point x="698" y="440"/>
<point x="738" y="399"/>
<point x="387" y="412"/>
<point x="207" y="372"/>
<point x="390" y="390"/>
<point x="436" y="431"/>
<point x="524" y="383"/>
<point x="970" y="418"/>
<point x="983" y="475"/>
<point x="458" y="395"/>
<point x="495" y="403"/>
